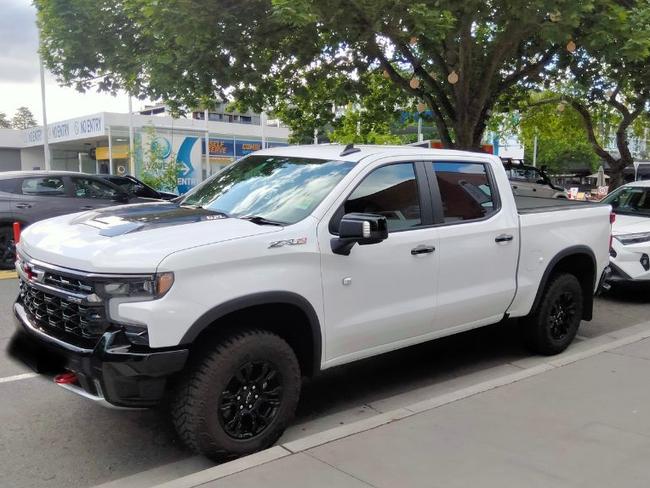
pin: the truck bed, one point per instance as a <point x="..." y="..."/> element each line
<point x="526" y="205"/>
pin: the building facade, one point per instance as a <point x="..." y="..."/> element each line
<point x="100" y="143"/>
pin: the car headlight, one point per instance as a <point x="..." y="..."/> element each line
<point x="154" y="286"/>
<point x="635" y="238"/>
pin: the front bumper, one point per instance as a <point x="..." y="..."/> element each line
<point x="115" y="371"/>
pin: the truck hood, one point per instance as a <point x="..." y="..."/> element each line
<point x="629" y="224"/>
<point x="130" y="238"/>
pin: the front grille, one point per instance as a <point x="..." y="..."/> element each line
<point x="66" y="283"/>
<point x="62" y="315"/>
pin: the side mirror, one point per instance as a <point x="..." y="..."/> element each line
<point x="541" y="181"/>
<point x="359" y="228"/>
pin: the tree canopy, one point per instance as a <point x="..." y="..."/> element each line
<point x="459" y="58"/>
<point x="5" y="123"/>
<point x="23" y="119"/>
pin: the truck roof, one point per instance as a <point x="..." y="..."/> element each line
<point x="333" y="151"/>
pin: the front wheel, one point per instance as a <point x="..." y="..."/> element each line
<point x="238" y="398"/>
<point x="7" y="248"/>
<point x="553" y="326"/>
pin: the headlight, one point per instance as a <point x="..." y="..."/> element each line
<point x="636" y="238"/>
<point x="154" y="286"/>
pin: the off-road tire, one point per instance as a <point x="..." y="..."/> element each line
<point x="7" y="248"/>
<point x="539" y="328"/>
<point x="198" y="396"/>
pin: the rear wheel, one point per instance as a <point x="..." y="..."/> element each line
<point x="553" y="326"/>
<point x="7" y="248"/>
<point x="239" y="397"/>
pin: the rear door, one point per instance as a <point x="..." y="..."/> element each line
<point x="93" y="193"/>
<point x="41" y="197"/>
<point x="478" y="245"/>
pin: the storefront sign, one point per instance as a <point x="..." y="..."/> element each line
<point x="79" y="128"/>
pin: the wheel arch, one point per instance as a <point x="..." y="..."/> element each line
<point x="579" y="261"/>
<point x="287" y="314"/>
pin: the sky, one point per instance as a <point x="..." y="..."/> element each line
<point x="19" y="73"/>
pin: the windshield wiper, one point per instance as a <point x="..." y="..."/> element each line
<point x="259" y="220"/>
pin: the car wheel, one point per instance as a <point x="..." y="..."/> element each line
<point x="238" y="397"/>
<point x="553" y="326"/>
<point x="7" y="248"/>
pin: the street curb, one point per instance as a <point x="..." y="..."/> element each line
<point x="337" y="433"/>
<point x="226" y="469"/>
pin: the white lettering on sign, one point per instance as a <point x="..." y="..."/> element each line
<point x="68" y="129"/>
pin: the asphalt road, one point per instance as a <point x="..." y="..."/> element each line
<point x="51" y="438"/>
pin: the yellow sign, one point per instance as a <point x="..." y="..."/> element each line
<point x="119" y="152"/>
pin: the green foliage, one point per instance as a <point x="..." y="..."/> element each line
<point x="260" y="52"/>
<point x="562" y="143"/>
<point x="158" y="172"/>
<point x="23" y="119"/>
<point x="5" y="123"/>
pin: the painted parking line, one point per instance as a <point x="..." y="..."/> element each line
<point x="8" y="275"/>
<point x="18" y="377"/>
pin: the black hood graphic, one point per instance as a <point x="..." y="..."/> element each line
<point x="121" y="220"/>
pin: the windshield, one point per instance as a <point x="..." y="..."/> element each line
<point x="277" y="188"/>
<point x="633" y="200"/>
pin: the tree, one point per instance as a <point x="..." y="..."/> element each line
<point x="460" y="58"/>
<point x="160" y="170"/>
<point x="607" y="81"/>
<point x="5" y="123"/>
<point x="23" y="119"/>
<point x="562" y="144"/>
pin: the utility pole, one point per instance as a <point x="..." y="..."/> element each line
<point x="131" y="141"/>
<point x="535" y="151"/>
<point x="46" y="144"/>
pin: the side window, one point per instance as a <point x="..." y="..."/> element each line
<point x="90" y="188"/>
<point x="390" y="191"/>
<point x="44" y="186"/>
<point x="9" y="186"/>
<point x="465" y="191"/>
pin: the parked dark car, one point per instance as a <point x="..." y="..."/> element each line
<point x="29" y="196"/>
<point x="134" y="186"/>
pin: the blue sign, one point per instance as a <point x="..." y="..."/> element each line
<point x="186" y="179"/>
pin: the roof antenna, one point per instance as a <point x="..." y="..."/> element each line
<point x="349" y="149"/>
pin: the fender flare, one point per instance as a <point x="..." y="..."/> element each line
<point x="256" y="299"/>
<point x="569" y="251"/>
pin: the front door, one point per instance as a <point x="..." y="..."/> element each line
<point x="478" y="246"/>
<point x="381" y="293"/>
<point x="40" y="197"/>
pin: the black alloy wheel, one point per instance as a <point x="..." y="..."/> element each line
<point x="251" y="400"/>
<point x="562" y="316"/>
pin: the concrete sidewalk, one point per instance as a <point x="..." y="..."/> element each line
<point x="569" y="422"/>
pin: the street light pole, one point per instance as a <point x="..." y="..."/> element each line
<point x="535" y="151"/>
<point x="46" y="144"/>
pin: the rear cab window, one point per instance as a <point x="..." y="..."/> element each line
<point x="467" y="191"/>
<point x="49" y="186"/>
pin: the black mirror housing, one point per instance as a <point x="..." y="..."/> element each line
<point x="361" y="228"/>
<point x="121" y="197"/>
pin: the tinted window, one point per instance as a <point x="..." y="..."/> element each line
<point x="90" y="188"/>
<point x="390" y="191"/>
<point x="630" y="200"/>
<point x="284" y="189"/>
<point x="44" y="186"/>
<point x="525" y="174"/>
<point x="9" y="186"/>
<point x="465" y="191"/>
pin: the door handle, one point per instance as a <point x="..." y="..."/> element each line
<point x="503" y="238"/>
<point x="87" y="207"/>
<point x="422" y="250"/>
<point x="534" y="189"/>
<point x="23" y="205"/>
<point x="514" y="187"/>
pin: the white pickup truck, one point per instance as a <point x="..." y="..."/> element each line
<point x="288" y="262"/>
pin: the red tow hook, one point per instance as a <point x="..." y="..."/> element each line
<point x="66" y="378"/>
